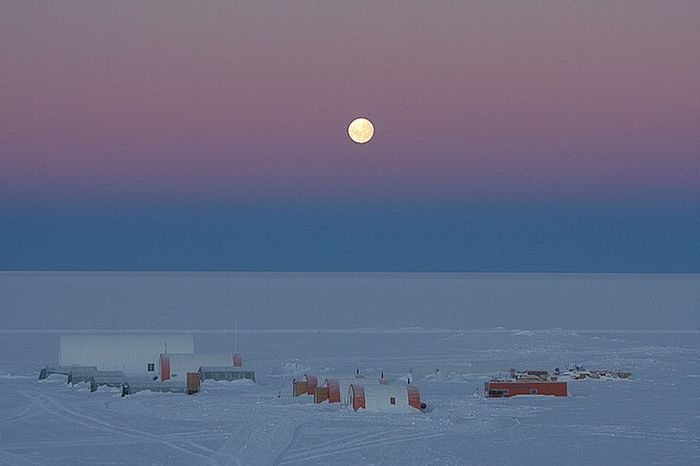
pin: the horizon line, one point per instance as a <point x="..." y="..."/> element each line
<point x="338" y="272"/>
<point x="367" y="330"/>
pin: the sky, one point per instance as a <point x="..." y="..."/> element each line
<point x="510" y="136"/>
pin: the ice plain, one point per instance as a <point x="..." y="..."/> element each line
<point x="330" y="324"/>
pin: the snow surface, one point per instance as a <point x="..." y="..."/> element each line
<point x="652" y="419"/>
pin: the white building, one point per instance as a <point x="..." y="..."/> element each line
<point x="130" y="353"/>
<point x="384" y="398"/>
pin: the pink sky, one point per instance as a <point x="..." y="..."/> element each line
<point x="488" y="98"/>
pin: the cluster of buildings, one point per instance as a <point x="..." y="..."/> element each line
<point x="361" y="393"/>
<point x="169" y="363"/>
<point x="542" y="382"/>
<point x="137" y="362"/>
<point x="579" y="373"/>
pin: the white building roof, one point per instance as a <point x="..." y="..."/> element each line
<point x="130" y="353"/>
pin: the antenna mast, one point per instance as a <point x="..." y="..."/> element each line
<point x="235" y="335"/>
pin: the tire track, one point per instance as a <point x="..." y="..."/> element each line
<point x="13" y="460"/>
<point x="292" y="442"/>
<point x="357" y="445"/>
<point x="24" y="414"/>
<point x="362" y="435"/>
<point x="91" y="442"/>
<point x="76" y="417"/>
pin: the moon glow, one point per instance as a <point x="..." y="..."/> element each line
<point x="361" y="130"/>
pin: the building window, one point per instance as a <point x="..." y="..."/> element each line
<point x="533" y="391"/>
<point x="392" y="400"/>
<point x="151" y="367"/>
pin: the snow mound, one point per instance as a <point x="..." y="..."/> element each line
<point x="291" y="369"/>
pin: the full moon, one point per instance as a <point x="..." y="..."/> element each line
<point x="361" y="130"/>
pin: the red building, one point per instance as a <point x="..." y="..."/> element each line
<point x="507" y="388"/>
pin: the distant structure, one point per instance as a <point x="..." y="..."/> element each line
<point x="499" y="388"/>
<point x="189" y="385"/>
<point x="228" y="373"/>
<point x="329" y="391"/>
<point x="177" y="365"/>
<point x="129" y="353"/>
<point x="385" y="398"/>
<point x="306" y="386"/>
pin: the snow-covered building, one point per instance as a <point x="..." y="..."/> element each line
<point x="385" y="398"/>
<point x="190" y="384"/>
<point x="228" y="373"/>
<point x="129" y="353"/>
<point x="177" y="365"/>
<point x="107" y="379"/>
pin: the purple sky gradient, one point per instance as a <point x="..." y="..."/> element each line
<point x="221" y="99"/>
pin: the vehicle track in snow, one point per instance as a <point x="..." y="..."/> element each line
<point x="13" y="459"/>
<point x="343" y="440"/>
<point x="57" y="409"/>
<point x="372" y="439"/>
<point x="26" y="413"/>
<point x="94" y="441"/>
<point x="290" y="445"/>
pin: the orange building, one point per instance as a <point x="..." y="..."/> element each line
<point x="508" y="388"/>
<point x="305" y="387"/>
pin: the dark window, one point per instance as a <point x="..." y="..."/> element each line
<point x="151" y="367"/>
<point x="392" y="400"/>
<point x="533" y="391"/>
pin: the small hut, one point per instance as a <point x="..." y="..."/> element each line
<point x="385" y="398"/>
<point x="194" y="381"/>
<point x="329" y="391"/>
<point x="305" y="387"/>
